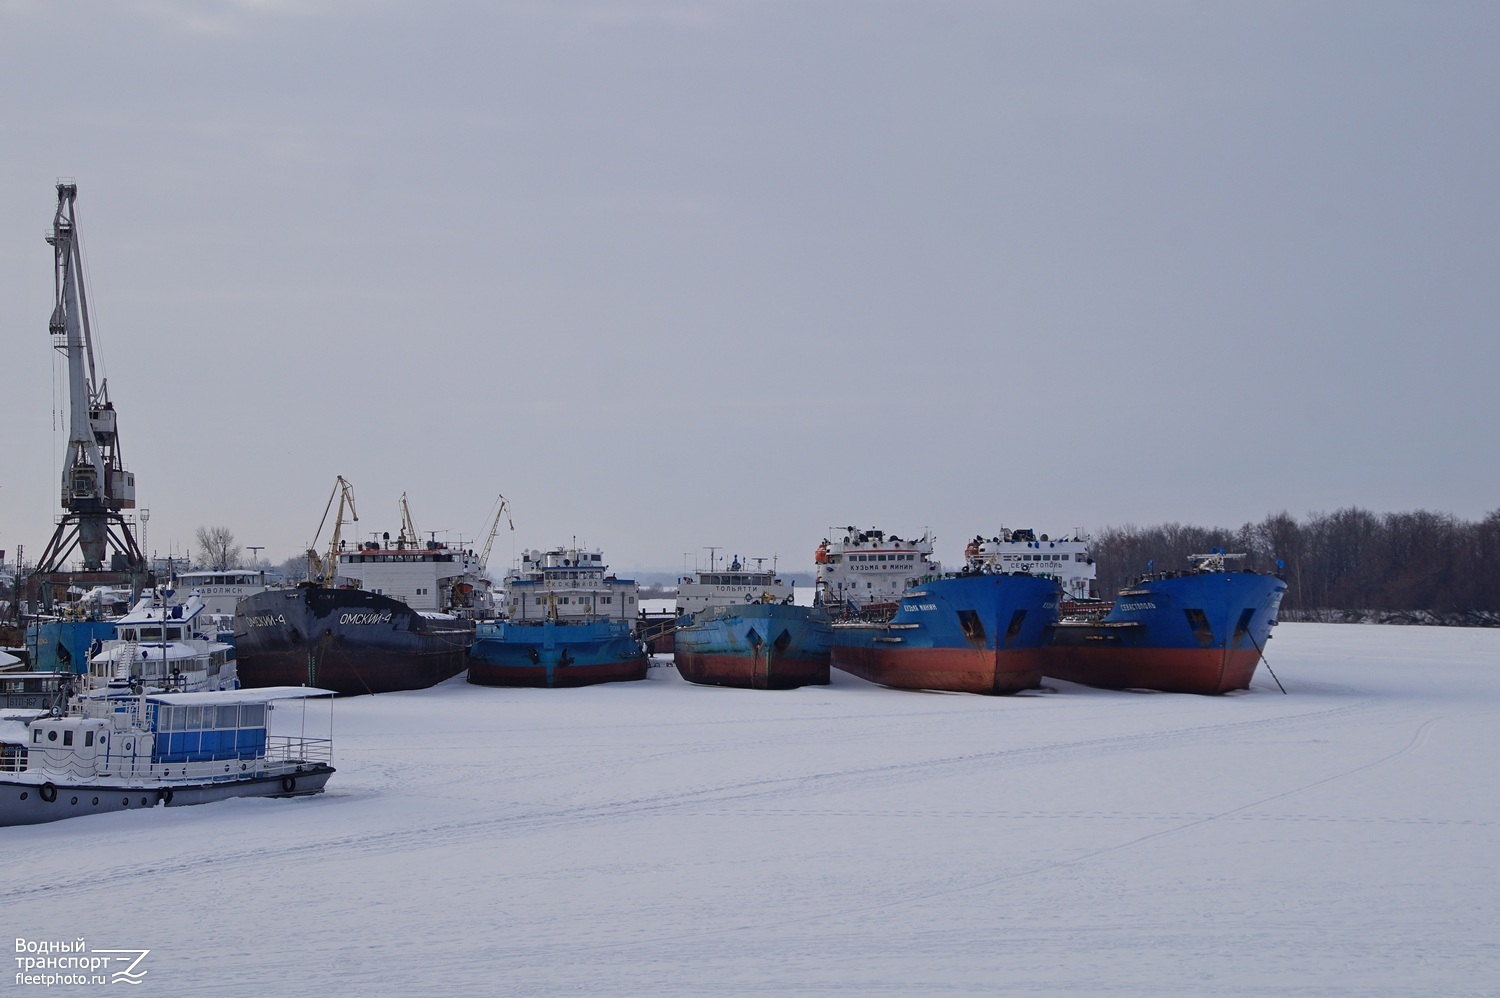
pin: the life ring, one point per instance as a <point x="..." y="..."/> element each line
<point x="47" y="792"/>
<point x="164" y="795"/>
<point x="288" y="784"/>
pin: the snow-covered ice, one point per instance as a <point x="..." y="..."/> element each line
<point x="658" y="837"/>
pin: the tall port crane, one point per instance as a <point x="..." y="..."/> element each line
<point x="95" y="484"/>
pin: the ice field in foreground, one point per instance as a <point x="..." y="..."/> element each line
<point x="658" y="837"/>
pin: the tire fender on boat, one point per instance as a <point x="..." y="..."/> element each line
<point x="164" y="795"/>
<point x="288" y="784"/>
<point x="47" y="792"/>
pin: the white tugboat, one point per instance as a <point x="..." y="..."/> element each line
<point x="93" y="755"/>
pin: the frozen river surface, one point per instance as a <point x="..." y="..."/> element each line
<point x="658" y="837"/>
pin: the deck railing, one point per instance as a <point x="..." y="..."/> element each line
<point x="291" y="749"/>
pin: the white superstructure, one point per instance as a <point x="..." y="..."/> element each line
<point x="568" y="584"/>
<point x="165" y="647"/>
<point x="869" y="568"/>
<point x="431" y="577"/>
<point x="219" y="591"/>
<point x="736" y="582"/>
<point x="1065" y="560"/>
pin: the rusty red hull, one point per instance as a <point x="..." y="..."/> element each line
<point x="488" y="674"/>
<point x="753" y="672"/>
<point x="1209" y="671"/>
<point x="960" y="670"/>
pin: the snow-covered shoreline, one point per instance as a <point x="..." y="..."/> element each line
<point x="660" y="837"/>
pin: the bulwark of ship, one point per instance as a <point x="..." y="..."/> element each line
<point x="758" y="646"/>
<point x="556" y="654"/>
<point x="351" y="641"/>
<point x="975" y="633"/>
<point x="1198" y="632"/>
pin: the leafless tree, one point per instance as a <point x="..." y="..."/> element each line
<point x="217" y="549"/>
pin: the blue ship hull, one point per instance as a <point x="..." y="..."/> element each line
<point x="965" y="633"/>
<point x="553" y="654"/>
<point x="760" y="646"/>
<point x="1198" y="632"/>
<point x="64" y="645"/>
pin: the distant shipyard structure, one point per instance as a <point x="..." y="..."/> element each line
<point x="95" y="484"/>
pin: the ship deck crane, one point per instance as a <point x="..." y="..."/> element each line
<point x="95" y="484"/>
<point x="484" y="556"/>
<point x="409" y="535"/>
<point x="325" y="570"/>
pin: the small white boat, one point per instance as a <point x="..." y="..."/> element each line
<point x="165" y="647"/>
<point x="96" y="754"/>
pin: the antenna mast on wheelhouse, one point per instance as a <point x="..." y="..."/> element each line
<point x="95" y="484"/>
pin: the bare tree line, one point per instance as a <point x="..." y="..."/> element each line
<point x="1432" y="565"/>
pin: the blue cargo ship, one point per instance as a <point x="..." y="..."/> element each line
<point x="755" y="645"/>
<point x="968" y="633"/>
<point x="570" y="622"/>
<point x="555" y="653"/>
<point x="1199" y="631"/>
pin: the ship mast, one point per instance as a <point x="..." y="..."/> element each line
<point x="95" y="484"/>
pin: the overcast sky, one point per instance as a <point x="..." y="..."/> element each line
<point x="677" y="274"/>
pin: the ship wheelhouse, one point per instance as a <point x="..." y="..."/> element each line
<point x="568" y="585"/>
<point x="433" y="578"/>
<point x="735" y="582"/>
<point x="869" y="568"/>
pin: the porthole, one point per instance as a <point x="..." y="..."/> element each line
<point x="24" y="795"/>
<point x="143" y="802"/>
<point x="73" y="801"/>
<point x="124" y="801"/>
<point x="96" y="800"/>
<point x="52" y="736"/>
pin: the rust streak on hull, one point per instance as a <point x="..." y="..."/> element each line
<point x="959" y="670"/>
<point x="1208" y="671"/>
<point x="563" y="676"/>
<point x="753" y="672"/>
